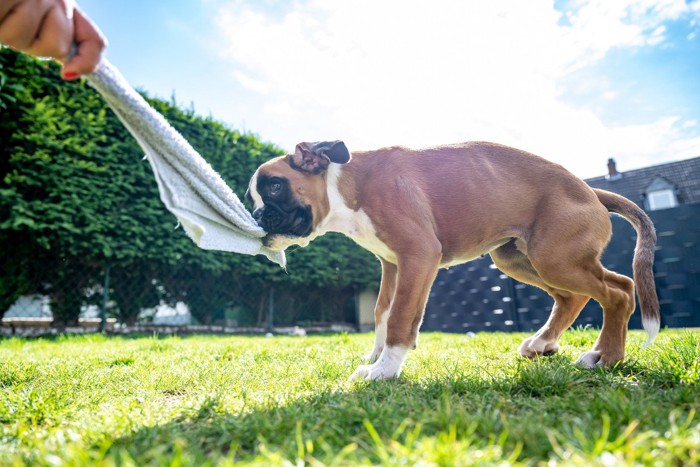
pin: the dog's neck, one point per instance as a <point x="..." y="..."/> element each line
<point x="340" y="218"/>
<point x="346" y="216"/>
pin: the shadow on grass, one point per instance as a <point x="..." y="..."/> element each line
<point x="519" y="415"/>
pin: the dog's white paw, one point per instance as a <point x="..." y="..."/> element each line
<point x="533" y="347"/>
<point x="371" y="373"/>
<point x="590" y="359"/>
<point x="387" y="366"/>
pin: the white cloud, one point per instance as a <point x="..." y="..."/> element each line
<point x="421" y="73"/>
<point x="653" y="143"/>
<point x="251" y="83"/>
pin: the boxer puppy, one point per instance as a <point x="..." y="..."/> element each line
<point x="421" y="210"/>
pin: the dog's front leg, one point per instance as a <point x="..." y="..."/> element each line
<point x="415" y="275"/>
<point x="381" y="310"/>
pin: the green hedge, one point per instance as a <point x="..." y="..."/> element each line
<point x="76" y="196"/>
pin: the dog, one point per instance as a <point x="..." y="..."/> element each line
<point x="422" y="210"/>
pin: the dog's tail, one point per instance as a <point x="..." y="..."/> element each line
<point x="643" y="257"/>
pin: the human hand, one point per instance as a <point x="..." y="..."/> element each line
<point x="49" y="28"/>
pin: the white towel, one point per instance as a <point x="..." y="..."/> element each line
<point x="210" y="212"/>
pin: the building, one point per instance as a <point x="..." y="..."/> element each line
<point x="657" y="187"/>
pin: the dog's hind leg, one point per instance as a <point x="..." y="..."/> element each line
<point x="618" y="305"/>
<point x="381" y="310"/>
<point x="580" y="272"/>
<point x="567" y="305"/>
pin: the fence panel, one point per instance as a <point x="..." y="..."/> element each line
<point x="471" y="297"/>
<point x="677" y="265"/>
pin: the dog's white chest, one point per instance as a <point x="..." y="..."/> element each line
<point x="361" y="230"/>
<point x="355" y="224"/>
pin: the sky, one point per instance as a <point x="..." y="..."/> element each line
<point x="574" y="81"/>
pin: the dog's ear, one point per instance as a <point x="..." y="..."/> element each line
<point x="314" y="158"/>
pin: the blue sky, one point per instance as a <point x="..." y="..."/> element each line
<point x="574" y="81"/>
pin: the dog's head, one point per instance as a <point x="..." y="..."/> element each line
<point x="289" y="195"/>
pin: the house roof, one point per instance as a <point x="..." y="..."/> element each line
<point x="683" y="175"/>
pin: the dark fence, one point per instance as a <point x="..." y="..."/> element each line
<point x="472" y="297"/>
<point x="478" y="297"/>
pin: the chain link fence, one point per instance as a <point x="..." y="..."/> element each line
<point x="150" y="297"/>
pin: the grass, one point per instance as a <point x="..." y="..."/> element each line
<point x="461" y="400"/>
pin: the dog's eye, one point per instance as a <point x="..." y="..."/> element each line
<point x="275" y="187"/>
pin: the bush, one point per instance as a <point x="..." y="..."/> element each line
<point x="75" y="191"/>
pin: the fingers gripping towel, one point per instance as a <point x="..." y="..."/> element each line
<point x="210" y="212"/>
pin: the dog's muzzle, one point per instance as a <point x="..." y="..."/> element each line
<point x="275" y="220"/>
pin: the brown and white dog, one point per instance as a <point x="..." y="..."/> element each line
<point x="421" y="210"/>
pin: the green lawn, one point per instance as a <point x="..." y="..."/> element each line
<point x="285" y="400"/>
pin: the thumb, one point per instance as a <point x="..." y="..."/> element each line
<point x="89" y="43"/>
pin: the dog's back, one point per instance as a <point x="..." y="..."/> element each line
<point x="457" y="187"/>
